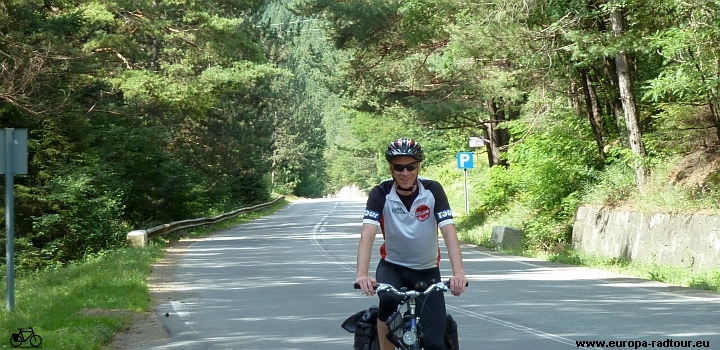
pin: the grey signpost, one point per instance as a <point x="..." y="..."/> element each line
<point x="13" y="160"/>
<point x="465" y="162"/>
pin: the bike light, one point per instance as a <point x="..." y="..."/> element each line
<point x="409" y="338"/>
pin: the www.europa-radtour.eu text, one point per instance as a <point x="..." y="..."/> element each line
<point x="639" y="344"/>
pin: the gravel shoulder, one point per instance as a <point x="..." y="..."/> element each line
<point x="145" y="328"/>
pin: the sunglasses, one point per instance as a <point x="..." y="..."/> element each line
<point x="400" y="167"/>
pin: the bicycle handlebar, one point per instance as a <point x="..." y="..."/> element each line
<point x="382" y="287"/>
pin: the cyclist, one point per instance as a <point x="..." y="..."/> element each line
<point x="409" y="210"/>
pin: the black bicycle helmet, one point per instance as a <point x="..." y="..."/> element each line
<point x="404" y="147"/>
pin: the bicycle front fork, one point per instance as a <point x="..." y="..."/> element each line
<point x="411" y="333"/>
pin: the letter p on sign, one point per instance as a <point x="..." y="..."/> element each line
<point x="465" y="160"/>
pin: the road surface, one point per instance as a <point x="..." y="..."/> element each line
<point x="285" y="282"/>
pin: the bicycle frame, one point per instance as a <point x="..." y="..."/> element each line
<point x="412" y="332"/>
<point x="412" y="335"/>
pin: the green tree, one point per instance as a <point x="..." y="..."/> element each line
<point x="139" y="113"/>
<point x="297" y="45"/>
<point x="690" y="70"/>
<point x="403" y="59"/>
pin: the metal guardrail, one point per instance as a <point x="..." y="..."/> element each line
<point x="141" y="237"/>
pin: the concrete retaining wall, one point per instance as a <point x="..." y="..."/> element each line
<point x="668" y="239"/>
<point x="507" y="237"/>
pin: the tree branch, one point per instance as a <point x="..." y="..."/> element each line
<point x="117" y="53"/>
<point x="93" y="110"/>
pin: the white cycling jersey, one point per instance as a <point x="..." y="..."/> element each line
<point x="410" y="235"/>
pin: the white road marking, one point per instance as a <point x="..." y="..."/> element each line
<point x="319" y="228"/>
<point x="177" y="306"/>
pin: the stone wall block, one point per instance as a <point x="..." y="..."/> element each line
<point x="691" y="240"/>
<point x="507" y="237"/>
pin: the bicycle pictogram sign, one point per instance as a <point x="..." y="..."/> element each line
<point x="26" y="335"/>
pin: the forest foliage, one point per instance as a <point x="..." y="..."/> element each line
<point x="147" y="112"/>
<point x="152" y="111"/>
<point x="573" y="98"/>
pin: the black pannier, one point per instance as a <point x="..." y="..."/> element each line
<point x="364" y="325"/>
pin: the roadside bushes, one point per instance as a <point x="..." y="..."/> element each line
<point x="84" y="200"/>
<point x="548" y="171"/>
<point x="86" y="219"/>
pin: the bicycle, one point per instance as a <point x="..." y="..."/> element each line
<point x="405" y="330"/>
<point x="20" y="337"/>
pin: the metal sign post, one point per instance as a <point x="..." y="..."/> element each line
<point x="465" y="162"/>
<point x="467" y="200"/>
<point x="13" y="160"/>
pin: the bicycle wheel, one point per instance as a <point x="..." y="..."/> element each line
<point x="15" y="342"/>
<point x="35" y="341"/>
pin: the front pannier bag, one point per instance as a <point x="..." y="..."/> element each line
<point x="364" y="325"/>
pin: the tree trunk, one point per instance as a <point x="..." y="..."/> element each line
<point x="610" y="84"/>
<point x="715" y="112"/>
<point x="592" y="105"/>
<point x="615" y="105"/>
<point x="498" y="137"/>
<point x="155" y="60"/>
<point x="488" y="144"/>
<point x="715" y="105"/>
<point x="575" y="97"/>
<point x="627" y="96"/>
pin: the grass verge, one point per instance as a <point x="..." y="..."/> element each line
<point x="83" y="305"/>
<point x="677" y="275"/>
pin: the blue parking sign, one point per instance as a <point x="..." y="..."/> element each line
<point x="465" y="160"/>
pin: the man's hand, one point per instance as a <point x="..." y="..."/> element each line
<point x="457" y="284"/>
<point x="367" y="285"/>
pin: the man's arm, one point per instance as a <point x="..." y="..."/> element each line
<point x="367" y="237"/>
<point x="458" y="280"/>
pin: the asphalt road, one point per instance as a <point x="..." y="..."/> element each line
<point x="285" y="282"/>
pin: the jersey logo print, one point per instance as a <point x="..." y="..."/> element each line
<point x="369" y="214"/>
<point x="422" y="212"/>
<point x="398" y="211"/>
<point x="445" y="214"/>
